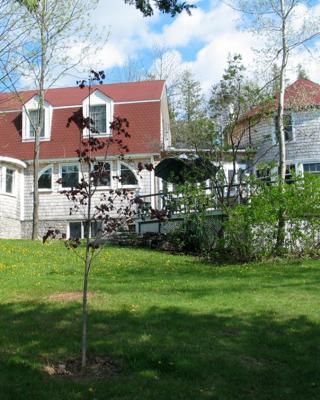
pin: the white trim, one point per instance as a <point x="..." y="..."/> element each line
<point x="42" y="139"/>
<point x="98" y="158"/>
<point x="10" y="111"/>
<point x="21" y="193"/>
<point x="152" y="185"/>
<point x="138" y="101"/>
<point x="97" y="98"/>
<point x="80" y="105"/>
<point x="62" y="107"/>
<point x="14" y="161"/>
<point x="33" y="105"/>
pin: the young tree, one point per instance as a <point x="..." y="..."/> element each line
<point x="286" y="25"/>
<point x="101" y="212"/>
<point x="54" y="28"/>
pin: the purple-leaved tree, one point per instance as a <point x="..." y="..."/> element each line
<point x="102" y="212"/>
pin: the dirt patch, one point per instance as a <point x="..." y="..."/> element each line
<point x="97" y="368"/>
<point x="67" y="296"/>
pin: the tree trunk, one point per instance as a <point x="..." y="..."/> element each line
<point x="85" y="311"/>
<point x="40" y="122"/>
<point x="88" y="260"/>
<point x="281" y="134"/>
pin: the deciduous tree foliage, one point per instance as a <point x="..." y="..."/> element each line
<point x="147" y="7"/>
<point x="285" y="28"/>
<point x="172" y="7"/>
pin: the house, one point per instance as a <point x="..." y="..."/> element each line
<point x="144" y="104"/>
<point x="302" y="131"/>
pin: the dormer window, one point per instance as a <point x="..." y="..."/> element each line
<point x="30" y="120"/>
<point x="98" y="114"/>
<point x="99" y="108"/>
<point x="34" y="122"/>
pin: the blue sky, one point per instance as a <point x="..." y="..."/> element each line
<point x="201" y="42"/>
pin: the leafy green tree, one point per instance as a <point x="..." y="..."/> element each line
<point x="45" y="55"/>
<point x="172" y="7"/>
<point x="191" y="126"/>
<point x="276" y="20"/>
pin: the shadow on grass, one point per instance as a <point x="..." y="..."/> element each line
<point x="165" y="354"/>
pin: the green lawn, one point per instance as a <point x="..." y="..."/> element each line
<point x="181" y="329"/>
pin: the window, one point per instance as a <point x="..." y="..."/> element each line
<point x="99" y="108"/>
<point x="288" y="127"/>
<point x="45" y="179"/>
<point x="75" y="230"/>
<point x="264" y="175"/>
<point x="313" y="168"/>
<point x="79" y="229"/>
<point x="34" y="123"/>
<point x="69" y="176"/>
<point x="101" y="174"/>
<point x="9" y="180"/>
<point x="96" y="229"/>
<point x="98" y="114"/>
<point x="128" y="178"/>
<point x="30" y="120"/>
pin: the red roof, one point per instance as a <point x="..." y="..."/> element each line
<point x="73" y="96"/>
<point x="144" y="120"/>
<point x="300" y="94"/>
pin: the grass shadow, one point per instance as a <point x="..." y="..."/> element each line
<point x="166" y="353"/>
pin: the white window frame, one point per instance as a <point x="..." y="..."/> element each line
<point x="82" y="228"/>
<point x="33" y="105"/>
<point x="60" y="173"/>
<point x="4" y="180"/>
<point x="274" y="136"/>
<point x="43" y="190"/>
<point x="119" y="175"/>
<point x="97" y="98"/>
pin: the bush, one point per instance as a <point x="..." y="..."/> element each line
<point x="250" y="231"/>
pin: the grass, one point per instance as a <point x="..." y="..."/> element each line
<point x="181" y="329"/>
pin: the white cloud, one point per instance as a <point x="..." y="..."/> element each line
<point x="214" y="30"/>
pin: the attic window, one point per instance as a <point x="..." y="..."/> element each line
<point x="34" y="123"/>
<point x="99" y="108"/>
<point x="30" y="120"/>
<point x="98" y="114"/>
